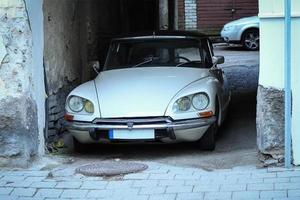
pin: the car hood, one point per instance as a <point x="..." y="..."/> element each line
<point x="245" y="20"/>
<point x="142" y="92"/>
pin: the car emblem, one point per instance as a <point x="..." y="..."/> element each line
<point x="130" y="125"/>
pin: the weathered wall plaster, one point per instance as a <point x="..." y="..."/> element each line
<point x="19" y="136"/>
<point x="62" y="50"/>
<point x="62" y="59"/>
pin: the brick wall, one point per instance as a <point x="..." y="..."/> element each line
<point x="181" y="13"/>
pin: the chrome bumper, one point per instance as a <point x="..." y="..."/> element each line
<point x="107" y="124"/>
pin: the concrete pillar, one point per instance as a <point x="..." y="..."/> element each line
<point x="163" y="15"/>
<point x="270" y="100"/>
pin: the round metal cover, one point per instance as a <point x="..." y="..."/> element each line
<point x="111" y="168"/>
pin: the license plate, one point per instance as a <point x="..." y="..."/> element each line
<point x="131" y="134"/>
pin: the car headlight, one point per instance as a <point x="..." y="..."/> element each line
<point x="76" y="104"/>
<point x="200" y="101"/>
<point x="182" y="104"/>
<point x="88" y="106"/>
<point x="193" y="102"/>
<point x="226" y="28"/>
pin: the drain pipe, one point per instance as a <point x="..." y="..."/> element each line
<point x="287" y="82"/>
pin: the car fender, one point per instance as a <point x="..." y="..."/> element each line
<point x="246" y="27"/>
<point x="87" y="91"/>
<point x="209" y="85"/>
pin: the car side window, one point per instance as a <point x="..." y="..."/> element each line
<point x="206" y="54"/>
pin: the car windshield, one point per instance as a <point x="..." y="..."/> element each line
<point x="157" y="52"/>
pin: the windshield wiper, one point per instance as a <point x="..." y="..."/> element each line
<point x="188" y="62"/>
<point x="146" y="61"/>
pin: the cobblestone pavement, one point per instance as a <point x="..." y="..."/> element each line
<point x="159" y="181"/>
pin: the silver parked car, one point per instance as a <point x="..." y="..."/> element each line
<point x="243" y="31"/>
<point x="163" y="86"/>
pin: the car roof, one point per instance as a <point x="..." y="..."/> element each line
<point x="162" y="35"/>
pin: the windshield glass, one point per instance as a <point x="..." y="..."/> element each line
<point x="157" y="52"/>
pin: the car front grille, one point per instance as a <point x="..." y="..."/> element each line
<point x="135" y="121"/>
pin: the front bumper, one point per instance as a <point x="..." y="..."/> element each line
<point x="155" y="123"/>
<point x="164" y="128"/>
<point x="231" y="35"/>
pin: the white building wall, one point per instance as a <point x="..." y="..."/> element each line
<point x="35" y="14"/>
<point x="296" y="85"/>
<point x="271" y="13"/>
<point x="190" y="7"/>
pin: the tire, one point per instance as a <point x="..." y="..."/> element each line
<point x="250" y="39"/>
<point x="208" y="140"/>
<point x="79" y="147"/>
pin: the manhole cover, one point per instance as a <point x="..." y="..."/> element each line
<point x="111" y="168"/>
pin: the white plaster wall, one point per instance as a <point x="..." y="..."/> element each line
<point x="35" y="12"/>
<point x="296" y="89"/>
<point x="271" y="73"/>
<point x="271" y="13"/>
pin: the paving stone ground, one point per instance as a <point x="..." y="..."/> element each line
<point x="159" y="181"/>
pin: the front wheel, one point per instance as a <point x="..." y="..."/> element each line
<point x="207" y="141"/>
<point x="250" y="39"/>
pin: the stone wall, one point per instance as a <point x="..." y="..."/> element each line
<point x="270" y="124"/>
<point x="18" y="114"/>
<point x="62" y="58"/>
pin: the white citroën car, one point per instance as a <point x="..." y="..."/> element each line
<point x="163" y="87"/>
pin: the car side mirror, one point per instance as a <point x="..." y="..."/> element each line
<point x="96" y="66"/>
<point x="218" y="60"/>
